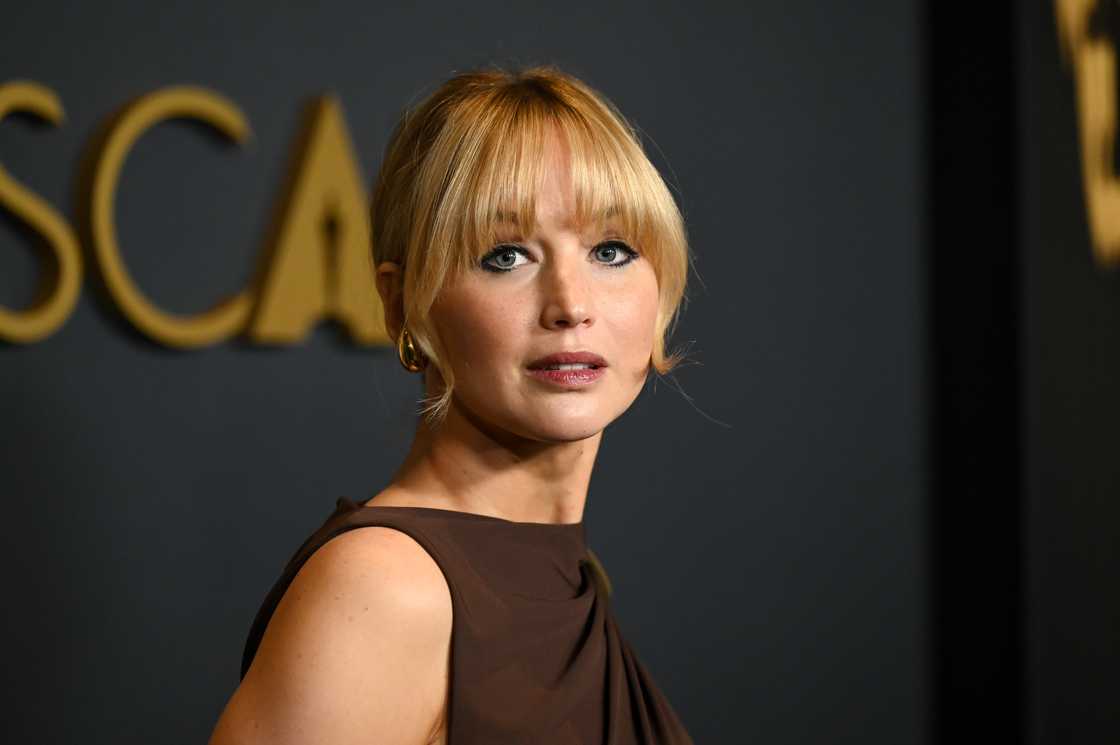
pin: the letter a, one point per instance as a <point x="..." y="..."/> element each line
<point x="1093" y="56"/>
<point x="320" y="261"/>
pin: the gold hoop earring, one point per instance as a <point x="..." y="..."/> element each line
<point x="411" y="357"/>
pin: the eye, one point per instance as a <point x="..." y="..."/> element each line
<point x="502" y="258"/>
<point x="609" y="252"/>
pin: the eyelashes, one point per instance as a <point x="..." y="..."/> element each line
<point x="511" y="251"/>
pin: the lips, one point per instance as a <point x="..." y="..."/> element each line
<point x="589" y="359"/>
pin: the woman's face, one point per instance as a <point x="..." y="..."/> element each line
<point x="557" y="290"/>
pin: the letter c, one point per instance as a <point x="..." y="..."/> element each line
<point x="210" y="327"/>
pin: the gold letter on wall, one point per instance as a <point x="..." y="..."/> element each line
<point x="1094" y="69"/>
<point x="320" y="261"/>
<point x="55" y="299"/>
<point x="214" y="325"/>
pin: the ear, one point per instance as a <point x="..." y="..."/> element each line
<point x="390" y="286"/>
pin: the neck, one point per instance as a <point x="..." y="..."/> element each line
<point x="463" y="465"/>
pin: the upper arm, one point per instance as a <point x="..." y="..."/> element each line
<point x="356" y="651"/>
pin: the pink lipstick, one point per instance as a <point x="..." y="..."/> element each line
<point x="569" y="369"/>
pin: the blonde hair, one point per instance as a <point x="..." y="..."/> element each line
<point x="474" y="149"/>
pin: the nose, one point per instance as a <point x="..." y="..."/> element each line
<point x="567" y="292"/>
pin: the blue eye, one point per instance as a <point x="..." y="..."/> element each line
<point x="609" y="251"/>
<point x="503" y="258"/>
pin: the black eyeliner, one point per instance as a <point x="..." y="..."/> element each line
<point x="499" y="249"/>
<point x="502" y="247"/>
<point x="619" y="244"/>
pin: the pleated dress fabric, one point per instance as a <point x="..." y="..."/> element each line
<point x="536" y="653"/>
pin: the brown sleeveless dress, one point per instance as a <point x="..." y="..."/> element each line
<point x="536" y="653"/>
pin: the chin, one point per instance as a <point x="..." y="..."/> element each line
<point x="567" y="431"/>
<point x="562" y="424"/>
<point x="554" y="418"/>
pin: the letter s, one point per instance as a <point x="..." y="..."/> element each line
<point x="56" y="299"/>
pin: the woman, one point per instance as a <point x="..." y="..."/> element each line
<point x="530" y="261"/>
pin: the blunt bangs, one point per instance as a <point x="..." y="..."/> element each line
<point x="503" y="159"/>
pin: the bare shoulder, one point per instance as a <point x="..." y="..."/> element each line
<point x="356" y="651"/>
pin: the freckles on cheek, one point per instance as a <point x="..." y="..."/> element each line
<point x="482" y="329"/>
<point x="507" y="325"/>
<point x="633" y="319"/>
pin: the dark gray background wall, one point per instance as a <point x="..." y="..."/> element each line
<point x="1024" y="520"/>
<point x="1071" y="361"/>
<point x="764" y="531"/>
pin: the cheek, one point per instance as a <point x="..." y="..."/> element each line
<point x="478" y="328"/>
<point x="633" y="315"/>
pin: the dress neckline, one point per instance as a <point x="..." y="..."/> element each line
<point x="441" y="512"/>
